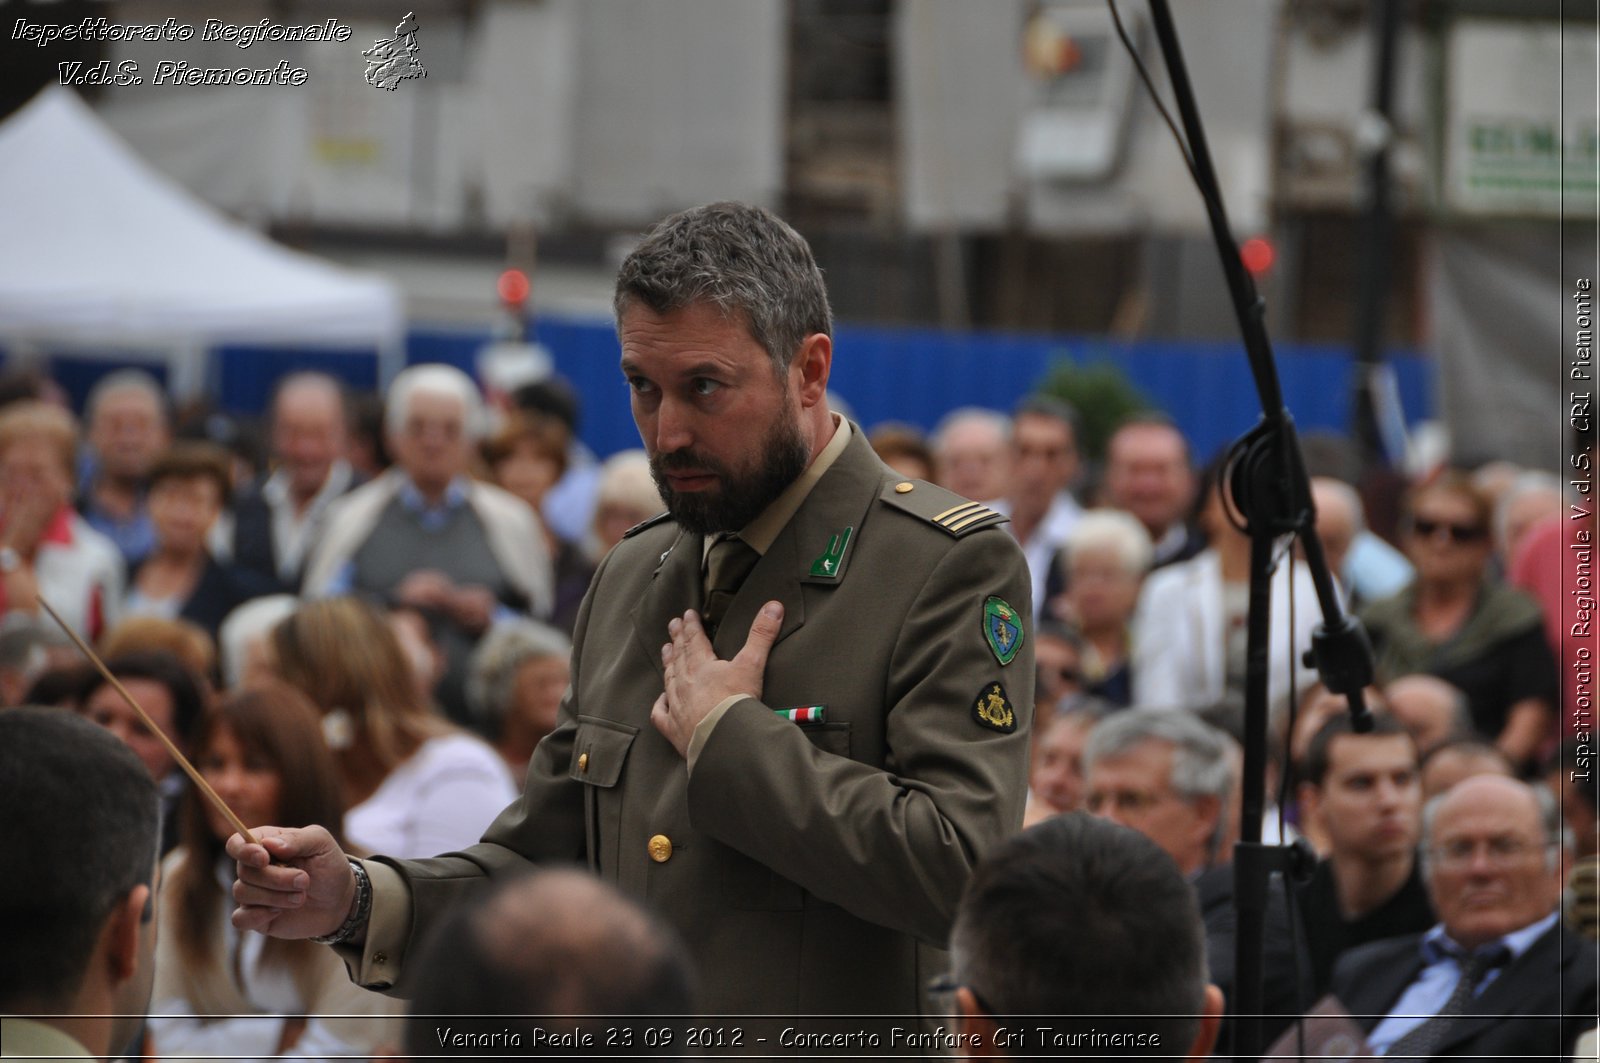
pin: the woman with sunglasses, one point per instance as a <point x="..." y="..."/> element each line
<point x="1459" y="622"/>
<point x="222" y="994"/>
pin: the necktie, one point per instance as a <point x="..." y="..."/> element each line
<point x="727" y="564"/>
<point x="1425" y="1040"/>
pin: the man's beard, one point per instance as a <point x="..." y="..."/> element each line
<point x="739" y="500"/>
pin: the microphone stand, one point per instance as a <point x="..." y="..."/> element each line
<point x="1266" y="477"/>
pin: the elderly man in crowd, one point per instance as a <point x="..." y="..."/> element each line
<point x="1433" y="711"/>
<point x="1170" y="777"/>
<point x="1497" y="977"/>
<point x="276" y="523"/>
<point x="1149" y="473"/>
<point x="972" y="453"/>
<point x="800" y="699"/>
<point x="128" y="428"/>
<point x="428" y="536"/>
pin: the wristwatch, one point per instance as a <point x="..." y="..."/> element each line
<point x="359" y="912"/>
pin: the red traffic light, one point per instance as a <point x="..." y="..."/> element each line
<point x="513" y="287"/>
<point x="1257" y="254"/>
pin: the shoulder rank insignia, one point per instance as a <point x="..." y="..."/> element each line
<point x="968" y="516"/>
<point x="993" y="710"/>
<point x="944" y="509"/>
<point x="1002" y="629"/>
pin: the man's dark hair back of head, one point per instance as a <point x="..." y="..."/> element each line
<point x="1090" y="923"/>
<point x="80" y="826"/>
<point x="539" y="953"/>
<point x="744" y="260"/>
<point x="1318" y="756"/>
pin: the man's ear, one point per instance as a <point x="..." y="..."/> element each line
<point x="975" y="1026"/>
<point x="1210" y="1023"/>
<point x="1209" y="809"/>
<point x="1310" y="796"/>
<point x="812" y="362"/>
<point x="123" y="930"/>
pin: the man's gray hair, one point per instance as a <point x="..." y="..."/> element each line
<point x="999" y="422"/>
<point x="745" y="261"/>
<point x="1556" y="835"/>
<point x="1200" y="753"/>
<point x="492" y="673"/>
<point x="435" y="378"/>
<point x="136" y="381"/>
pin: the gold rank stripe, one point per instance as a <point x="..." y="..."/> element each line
<point x="982" y="514"/>
<point x="954" y="513"/>
<point x="958" y="517"/>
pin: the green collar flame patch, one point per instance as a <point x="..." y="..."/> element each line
<point x="1002" y="629"/>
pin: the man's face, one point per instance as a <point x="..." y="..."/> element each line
<point x="31" y="469"/>
<point x="720" y="426"/>
<point x="1148" y="474"/>
<point x="431" y="444"/>
<point x="1058" y="763"/>
<point x="1044" y="459"/>
<point x="1135" y="790"/>
<point x="128" y="430"/>
<point x="1370" y="801"/>
<point x="107" y="709"/>
<point x="973" y="461"/>
<point x="308" y="435"/>
<point x="1489" y="871"/>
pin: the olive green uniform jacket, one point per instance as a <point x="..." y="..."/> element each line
<point x="802" y="864"/>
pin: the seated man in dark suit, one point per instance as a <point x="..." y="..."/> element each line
<point x="1498" y="977"/>
<point x="1169" y="776"/>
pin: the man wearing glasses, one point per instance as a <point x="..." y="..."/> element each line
<point x="1498" y="977"/>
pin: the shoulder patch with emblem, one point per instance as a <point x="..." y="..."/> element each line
<point x="992" y="709"/>
<point x="643" y="525"/>
<point x="945" y="509"/>
<point x="1002" y="629"/>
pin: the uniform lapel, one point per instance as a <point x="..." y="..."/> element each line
<point x="840" y="500"/>
<point x="675" y="587"/>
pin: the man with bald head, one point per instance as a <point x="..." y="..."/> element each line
<point x="1433" y="711"/>
<point x="1498" y="977"/>
<point x="276" y="523"/>
<point x="543" y="956"/>
<point x="971" y="453"/>
<point x="1368" y="568"/>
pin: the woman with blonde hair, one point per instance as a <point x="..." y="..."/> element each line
<point x="245" y="996"/>
<point x="414" y="784"/>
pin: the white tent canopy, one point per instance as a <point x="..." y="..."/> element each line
<point x="98" y="251"/>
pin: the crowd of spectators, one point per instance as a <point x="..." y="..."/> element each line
<point x="378" y="646"/>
